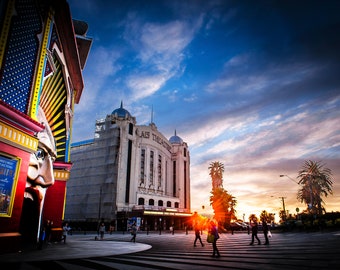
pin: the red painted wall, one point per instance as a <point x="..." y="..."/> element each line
<point x="54" y="203"/>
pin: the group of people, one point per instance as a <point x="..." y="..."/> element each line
<point x="45" y="234"/>
<point x="254" y="231"/>
<point x="213" y="234"/>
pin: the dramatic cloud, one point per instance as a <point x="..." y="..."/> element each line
<point x="252" y="84"/>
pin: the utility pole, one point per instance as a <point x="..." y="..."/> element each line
<point x="284" y="208"/>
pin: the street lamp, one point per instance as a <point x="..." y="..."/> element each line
<point x="283" y="175"/>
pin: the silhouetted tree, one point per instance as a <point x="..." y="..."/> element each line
<point x="221" y="201"/>
<point x="269" y="217"/>
<point x="216" y="172"/>
<point x="223" y="204"/>
<point x="316" y="181"/>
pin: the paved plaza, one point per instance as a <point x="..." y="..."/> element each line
<point x="314" y="250"/>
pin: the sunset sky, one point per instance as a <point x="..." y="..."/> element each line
<point x="254" y="85"/>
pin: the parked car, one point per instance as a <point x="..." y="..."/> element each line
<point x="238" y="226"/>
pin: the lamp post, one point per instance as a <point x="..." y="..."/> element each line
<point x="284" y="208"/>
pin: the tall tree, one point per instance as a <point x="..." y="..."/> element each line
<point x="216" y="169"/>
<point x="221" y="201"/>
<point x="269" y="217"/>
<point x="223" y="204"/>
<point x="315" y="181"/>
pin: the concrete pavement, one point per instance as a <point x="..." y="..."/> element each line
<point x="78" y="246"/>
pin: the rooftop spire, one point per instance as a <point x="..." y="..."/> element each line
<point x="151" y="113"/>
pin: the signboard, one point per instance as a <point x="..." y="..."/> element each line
<point x="8" y="180"/>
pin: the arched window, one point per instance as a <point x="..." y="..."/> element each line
<point x="168" y="204"/>
<point x="176" y="205"/>
<point x="141" y="201"/>
<point x="151" y="202"/>
<point x="160" y="203"/>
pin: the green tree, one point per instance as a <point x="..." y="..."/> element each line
<point x="315" y="181"/>
<point x="269" y="217"/>
<point x="223" y="204"/>
<point x="221" y="201"/>
<point x="282" y="215"/>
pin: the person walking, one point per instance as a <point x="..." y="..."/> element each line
<point x="254" y="230"/>
<point x="265" y="231"/>
<point x="133" y="232"/>
<point x="102" y="230"/>
<point x="42" y="237"/>
<point x="198" y="236"/>
<point x="49" y="226"/>
<point x="172" y="229"/>
<point x="65" y="231"/>
<point x="214" y="231"/>
<point x="160" y="228"/>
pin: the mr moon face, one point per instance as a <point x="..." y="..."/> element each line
<point x="40" y="172"/>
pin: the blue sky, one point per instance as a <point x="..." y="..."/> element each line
<point x="252" y="84"/>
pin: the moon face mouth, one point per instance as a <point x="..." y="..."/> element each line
<point x="34" y="193"/>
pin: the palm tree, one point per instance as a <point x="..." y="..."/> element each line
<point x="316" y="181"/>
<point x="216" y="172"/>
<point x="223" y="204"/>
<point x="221" y="201"/>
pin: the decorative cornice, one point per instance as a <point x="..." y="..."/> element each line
<point x="17" y="138"/>
<point x="61" y="175"/>
<point x="19" y="119"/>
<point x="62" y="165"/>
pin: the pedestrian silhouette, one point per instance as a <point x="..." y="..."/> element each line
<point x="214" y="231"/>
<point x="254" y="230"/>
<point x="133" y="232"/>
<point x="66" y="229"/>
<point x="172" y="229"/>
<point x="265" y="231"/>
<point x="102" y="230"/>
<point x="198" y="236"/>
<point x="49" y="226"/>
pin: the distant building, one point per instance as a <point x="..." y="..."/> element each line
<point x="129" y="171"/>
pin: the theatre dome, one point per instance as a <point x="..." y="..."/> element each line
<point x="121" y="112"/>
<point x="175" y="139"/>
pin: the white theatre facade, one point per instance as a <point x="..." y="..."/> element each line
<point x="129" y="172"/>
